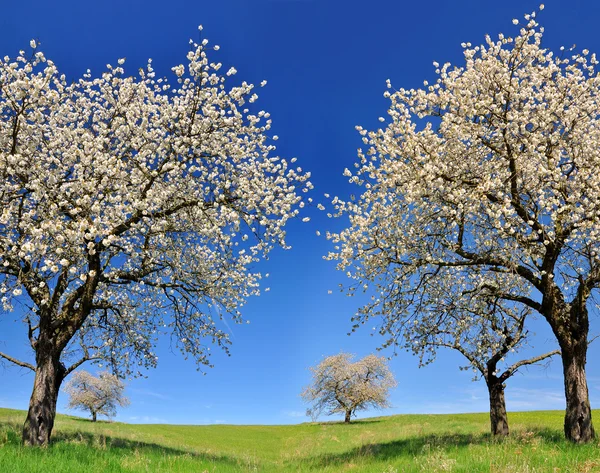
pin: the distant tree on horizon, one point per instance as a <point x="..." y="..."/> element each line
<point x="340" y="386"/>
<point x="130" y="207"/>
<point x="100" y="395"/>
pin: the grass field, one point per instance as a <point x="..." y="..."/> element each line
<point x="396" y="444"/>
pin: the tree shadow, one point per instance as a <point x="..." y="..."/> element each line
<point x="547" y="435"/>
<point x="408" y="447"/>
<point x="356" y="422"/>
<point x="96" y="441"/>
<point x="364" y="421"/>
<point x="423" y="444"/>
<point x="85" y="420"/>
<point x="10" y="434"/>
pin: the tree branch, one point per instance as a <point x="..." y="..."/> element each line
<point x="80" y="362"/>
<point x="511" y="370"/>
<point x="86" y="357"/>
<point x="17" y="362"/>
<point x="515" y="298"/>
<point x="138" y="216"/>
<point x="465" y="353"/>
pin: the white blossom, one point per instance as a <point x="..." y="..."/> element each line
<point x="100" y="395"/>
<point x="340" y="386"/>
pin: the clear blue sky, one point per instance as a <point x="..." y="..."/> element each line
<point x="326" y="62"/>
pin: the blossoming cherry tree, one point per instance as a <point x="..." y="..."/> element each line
<point x="487" y="181"/>
<point x="130" y="207"/>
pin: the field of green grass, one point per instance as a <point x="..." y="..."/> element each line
<point x="396" y="444"/>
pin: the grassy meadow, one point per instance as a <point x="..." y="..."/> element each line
<point x="395" y="444"/>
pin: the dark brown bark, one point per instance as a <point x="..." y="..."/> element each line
<point x="93" y="416"/>
<point x="578" y="414"/>
<point x="570" y="324"/>
<point x="347" y="418"/>
<point x="39" y="423"/>
<point x="56" y="329"/>
<point x="498" y="417"/>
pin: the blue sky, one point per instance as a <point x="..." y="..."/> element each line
<point x="326" y="63"/>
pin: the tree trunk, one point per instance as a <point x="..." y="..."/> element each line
<point x="49" y="375"/>
<point x="93" y="416"/>
<point x="578" y="415"/>
<point x="570" y="324"/>
<point x="347" y="418"/>
<point x="498" y="417"/>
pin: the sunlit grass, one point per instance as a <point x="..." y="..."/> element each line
<point x="396" y="444"/>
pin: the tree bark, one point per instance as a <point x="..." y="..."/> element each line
<point x="570" y="324"/>
<point x="578" y="415"/>
<point x="347" y="418"/>
<point x="56" y="328"/>
<point x="94" y="416"/>
<point x="498" y="417"/>
<point x="49" y="375"/>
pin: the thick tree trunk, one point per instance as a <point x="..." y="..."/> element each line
<point x="570" y="324"/>
<point x="498" y="417"/>
<point x="347" y="418"/>
<point x="578" y="415"/>
<point x="49" y="375"/>
<point x="94" y="416"/>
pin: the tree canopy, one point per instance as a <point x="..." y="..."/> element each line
<point x="485" y="184"/>
<point x="100" y="395"/>
<point x="341" y="386"/>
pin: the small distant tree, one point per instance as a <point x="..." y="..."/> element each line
<point x="100" y="395"/>
<point x="340" y="386"/>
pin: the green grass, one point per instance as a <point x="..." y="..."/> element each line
<point x="396" y="444"/>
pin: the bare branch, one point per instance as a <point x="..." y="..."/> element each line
<point x="512" y="369"/>
<point x="80" y="362"/>
<point x="17" y="362"/>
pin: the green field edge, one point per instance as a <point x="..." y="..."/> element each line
<point x="401" y="443"/>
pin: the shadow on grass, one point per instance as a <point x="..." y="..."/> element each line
<point x="409" y="447"/>
<point x="354" y="423"/>
<point x="550" y="435"/>
<point x="424" y="444"/>
<point x="118" y="443"/>
<point x="85" y="420"/>
<point x="10" y="434"/>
